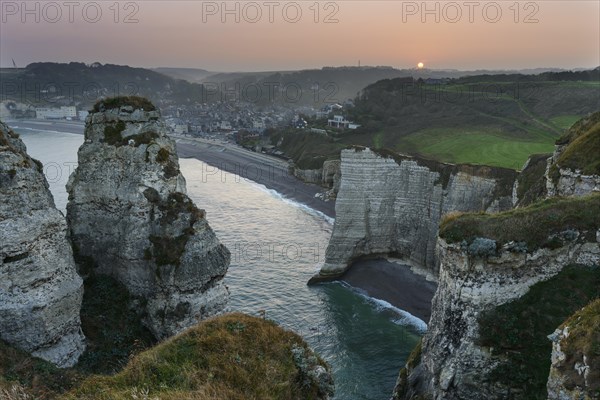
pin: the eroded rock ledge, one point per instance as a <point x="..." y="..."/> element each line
<point x="40" y="291"/>
<point x="130" y="218"/>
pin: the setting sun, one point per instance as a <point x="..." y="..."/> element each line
<point x="420" y="65"/>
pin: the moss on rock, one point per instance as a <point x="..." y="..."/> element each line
<point x="113" y="134"/>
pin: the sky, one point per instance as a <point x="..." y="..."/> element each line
<point x="286" y="35"/>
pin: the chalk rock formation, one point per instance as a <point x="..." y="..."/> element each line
<point x="130" y="218"/>
<point x="392" y="205"/>
<point x="455" y="365"/>
<point x="40" y="291"/>
<point x="478" y="275"/>
<point x="575" y="370"/>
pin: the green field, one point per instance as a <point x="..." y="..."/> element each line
<point x="474" y="146"/>
<point x="565" y="121"/>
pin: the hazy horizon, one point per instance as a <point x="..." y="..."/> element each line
<point x="251" y="37"/>
<point x="152" y="67"/>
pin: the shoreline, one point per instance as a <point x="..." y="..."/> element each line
<point x="263" y="169"/>
<point x="392" y="282"/>
<point x="260" y="168"/>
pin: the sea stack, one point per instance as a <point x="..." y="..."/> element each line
<point x="130" y="218"/>
<point x="40" y="290"/>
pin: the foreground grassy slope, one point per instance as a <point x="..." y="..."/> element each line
<point x="229" y="357"/>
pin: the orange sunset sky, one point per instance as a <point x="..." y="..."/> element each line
<point x="281" y="35"/>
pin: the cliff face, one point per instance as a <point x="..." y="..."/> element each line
<point x="455" y="365"/>
<point x="129" y="217"/>
<point x="392" y="206"/>
<point x="490" y="316"/>
<point x="40" y="291"/>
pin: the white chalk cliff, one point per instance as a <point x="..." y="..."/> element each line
<point x="130" y="218"/>
<point x="40" y="290"/>
<point x="392" y="205"/>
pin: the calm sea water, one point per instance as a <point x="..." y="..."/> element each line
<point x="276" y="246"/>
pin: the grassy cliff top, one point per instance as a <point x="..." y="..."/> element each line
<point x="533" y="224"/>
<point x="584" y="340"/>
<point x="233" y="356"/>
<point x="120" y="101"/>
<point x="583" y="146"/>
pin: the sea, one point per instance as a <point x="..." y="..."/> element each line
<point x="276" y="245"/>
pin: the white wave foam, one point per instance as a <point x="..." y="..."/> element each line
<point x="294" y="203"/>
<point x="41" y="129"/>
<point x="405" y="318"/>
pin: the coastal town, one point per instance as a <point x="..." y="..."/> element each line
<point x="243" y="123"/>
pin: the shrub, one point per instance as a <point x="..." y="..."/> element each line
<point x="482" y="247"/>
<point x="136" y="102"/>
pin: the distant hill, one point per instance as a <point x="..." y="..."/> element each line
<point x="193" y="75"/>
<point x="488" y="119"/>
<point x="60" y="83"/>
<point x="336" y="84"/>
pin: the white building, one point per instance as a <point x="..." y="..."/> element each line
<point x="181" y="128"/>
<point x="225" y="126"/>
<point x="56" y="113"/>
<point x="258" y="124"/>
<point x="69" y="111"/>
<point x="338" y="121"/>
